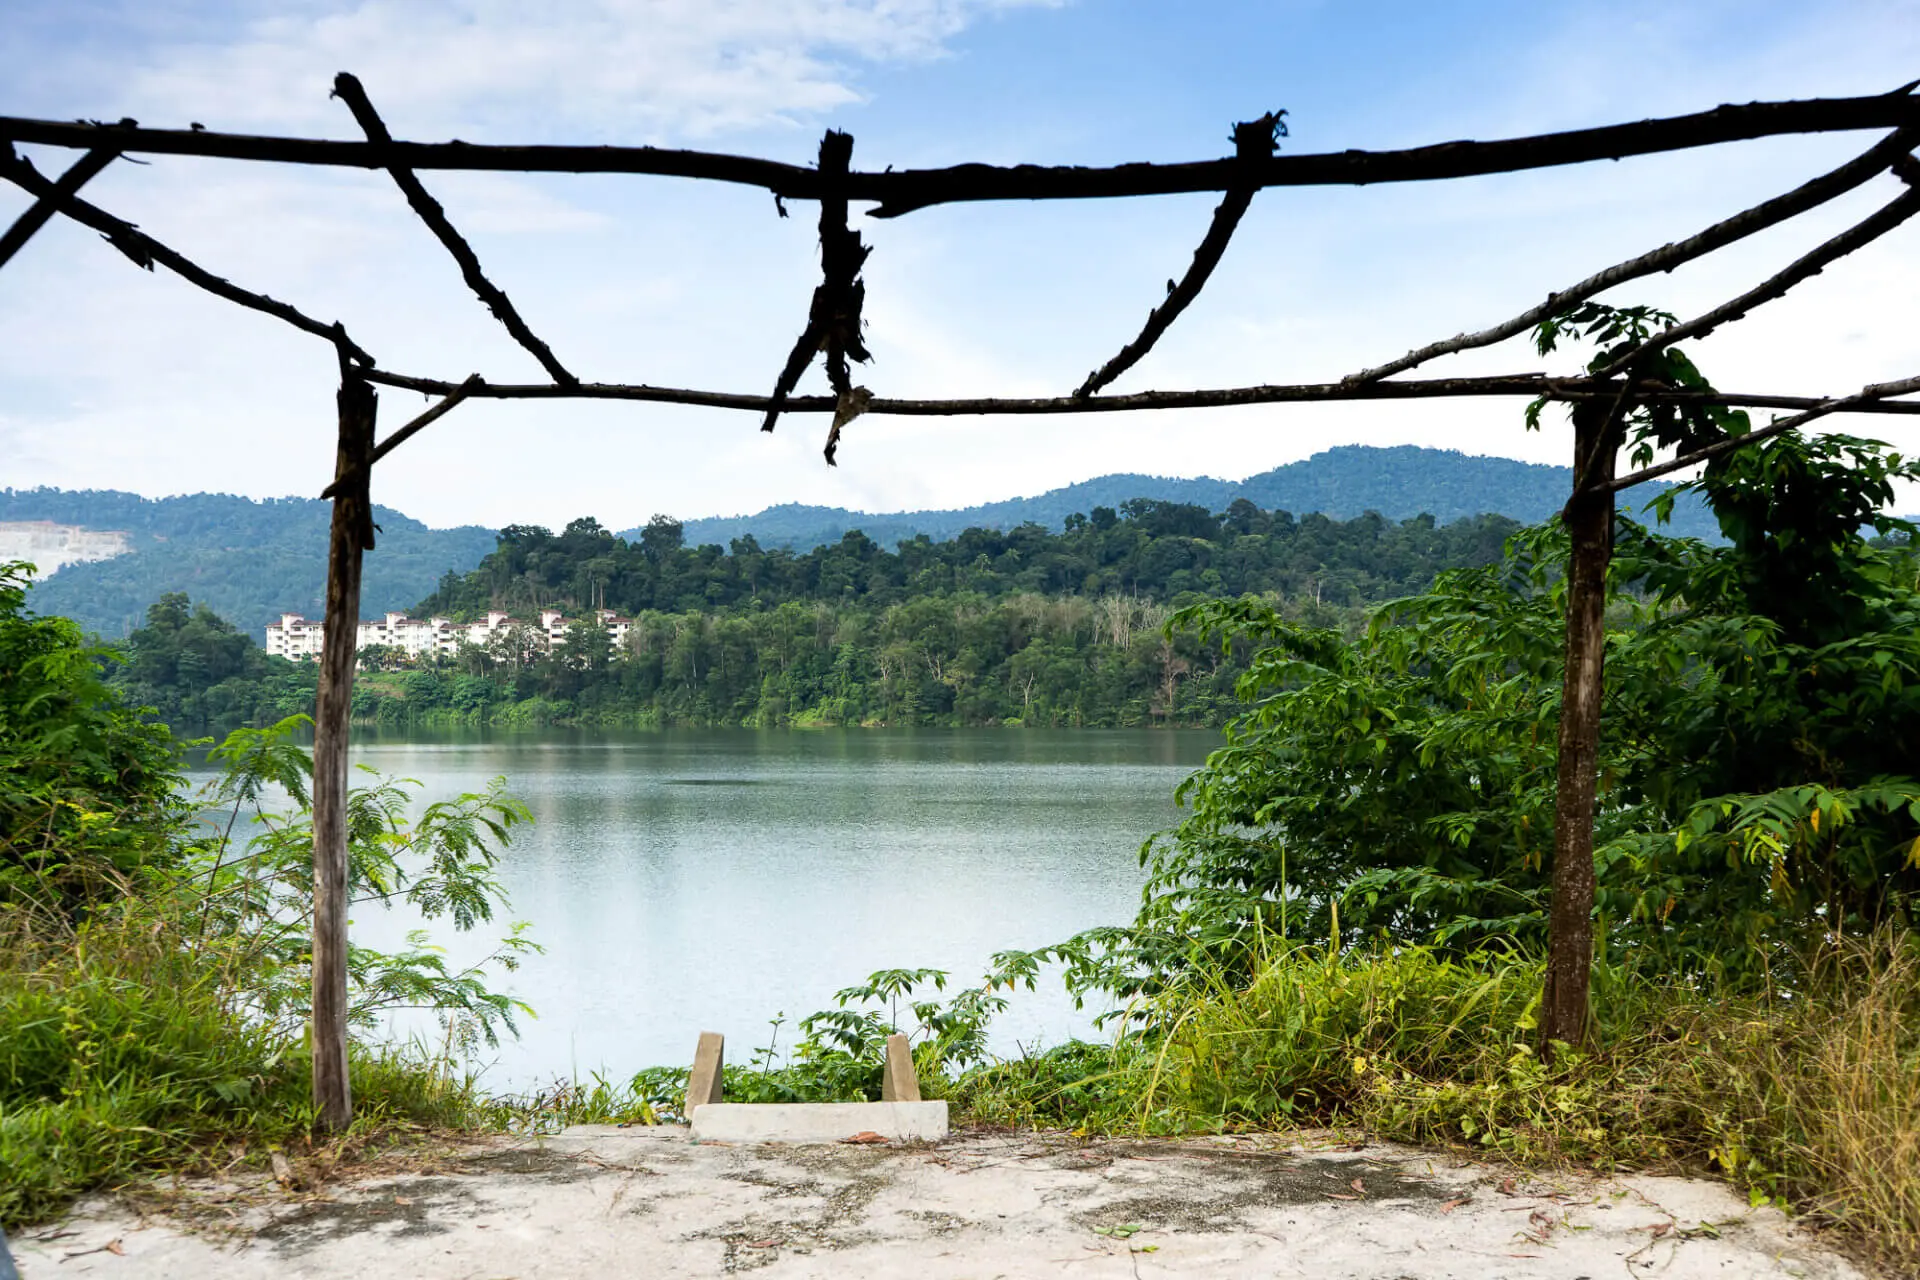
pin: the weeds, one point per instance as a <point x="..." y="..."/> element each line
<point x="118" y="1054"/>
<point x="1807" y="1096"/>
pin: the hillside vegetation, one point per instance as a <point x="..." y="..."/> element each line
<point x="249" y="560"/>
<point x="1025" y="627"/>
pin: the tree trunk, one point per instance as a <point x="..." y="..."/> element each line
<point x="1589" y="520"/>
<point x="352" y="533"/>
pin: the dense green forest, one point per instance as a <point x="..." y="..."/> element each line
<point x="196" y="670"/>
<point x="1025" y="627"/>
<point x="1149" y="549"/>
<point x="1022" y="627"/>
<point x="250" y="561"/>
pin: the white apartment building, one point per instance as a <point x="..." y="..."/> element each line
<point x="294" y="637"/>
<point x="299" y="638"/>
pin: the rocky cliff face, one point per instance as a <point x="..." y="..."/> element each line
<point x="48" y="546"/>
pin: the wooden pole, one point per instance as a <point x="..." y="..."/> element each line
<point x="352" y="534"/>
<point x="1589" y="520"/>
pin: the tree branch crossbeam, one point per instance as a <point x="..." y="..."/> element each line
<point x="349" y="90"/>
<point x="905" y="190"/>
<point x="1528" y="385"/>
<point x="1770" y="213"/>
<point x="1867" y="399"/>
<point x="1253" y="140"/>
<point x="144" y="251"/>
<point x="1862" y="233"/>
<point x="41" y="211"/>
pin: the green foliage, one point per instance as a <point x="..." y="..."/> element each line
<point x="1025" y="627"/>
<point x="193" y="668"/>
<point x="1755" y="757"/>
<point x="841" y="1054"/>
<point x="253" y="900"/>
<point x="89" y="799"/>
<point x="121" y="1051"/>
<point x="171" y="1014"/>
<point x="1147" y="549"/>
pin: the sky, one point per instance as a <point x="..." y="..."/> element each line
<point x="111" y="377"/>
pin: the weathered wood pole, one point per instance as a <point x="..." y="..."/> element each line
<point x="1589" y="520"/>
<point x="352" y="534"/>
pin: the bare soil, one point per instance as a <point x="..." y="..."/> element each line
<point x="608" y="1202"/>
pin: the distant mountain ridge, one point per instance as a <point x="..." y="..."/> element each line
<point x="249" y="560"/>
<point x="1399" y="482"/>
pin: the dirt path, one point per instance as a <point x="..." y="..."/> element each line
<point x="600" y="1202"/>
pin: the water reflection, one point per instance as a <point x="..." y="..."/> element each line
<point x="691" y="880"/>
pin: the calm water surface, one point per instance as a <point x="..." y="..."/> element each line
<point x="708" y="880"/>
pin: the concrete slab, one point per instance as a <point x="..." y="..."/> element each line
<point x="615" y="1203"/>
<point x="819" y="1121"/>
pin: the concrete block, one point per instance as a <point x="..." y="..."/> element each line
<point x="805" y="1122"/>
<point x="704" y="1082"/>
<point x="899" y="1083"/>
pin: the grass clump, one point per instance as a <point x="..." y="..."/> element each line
<point x="121" y="1054"/>
<point x="1805" y="1094"/>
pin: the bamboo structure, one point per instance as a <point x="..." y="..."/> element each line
<point x="1600" y="399"/>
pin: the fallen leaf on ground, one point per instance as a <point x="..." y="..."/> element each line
<point x="113" y="1247"/>
<point x="1335" y="1195"/>
<point x="1507" y="1188"/>
<point x="1451" y="1205"/>
<point x="866" y="1137"/>
<point x="1359" y="1186"/>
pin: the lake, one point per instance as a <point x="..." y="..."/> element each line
<point x="694" y="880"/>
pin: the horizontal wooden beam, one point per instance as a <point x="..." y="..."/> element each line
<point x="903" y="190"/>
<point x="1527" y="384"/>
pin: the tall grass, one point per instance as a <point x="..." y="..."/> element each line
<point x="1806" y="1094"/>
<point x="120" y="1054"/>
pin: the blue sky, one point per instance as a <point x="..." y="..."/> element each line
<point x="112" y="378"/>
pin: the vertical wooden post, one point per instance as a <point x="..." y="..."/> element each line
<point x="1589" y="520"/>
<point x="352" y="534"/>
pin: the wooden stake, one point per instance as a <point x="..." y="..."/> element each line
<point x="899" y="1082"/>
<point x="352" y="534"/>
<point x="1589" y="520"/>
<point x="704" y="1082"/>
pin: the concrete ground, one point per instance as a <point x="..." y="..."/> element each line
<point x="605" y="1202"/>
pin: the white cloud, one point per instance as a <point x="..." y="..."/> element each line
<point x="638" y="70"/>
<point x="114" y="378"/>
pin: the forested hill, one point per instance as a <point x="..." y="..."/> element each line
<point x="1149" y="549"/>
<point x="1399" y="483"/>
<point x="248" y="560"/>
